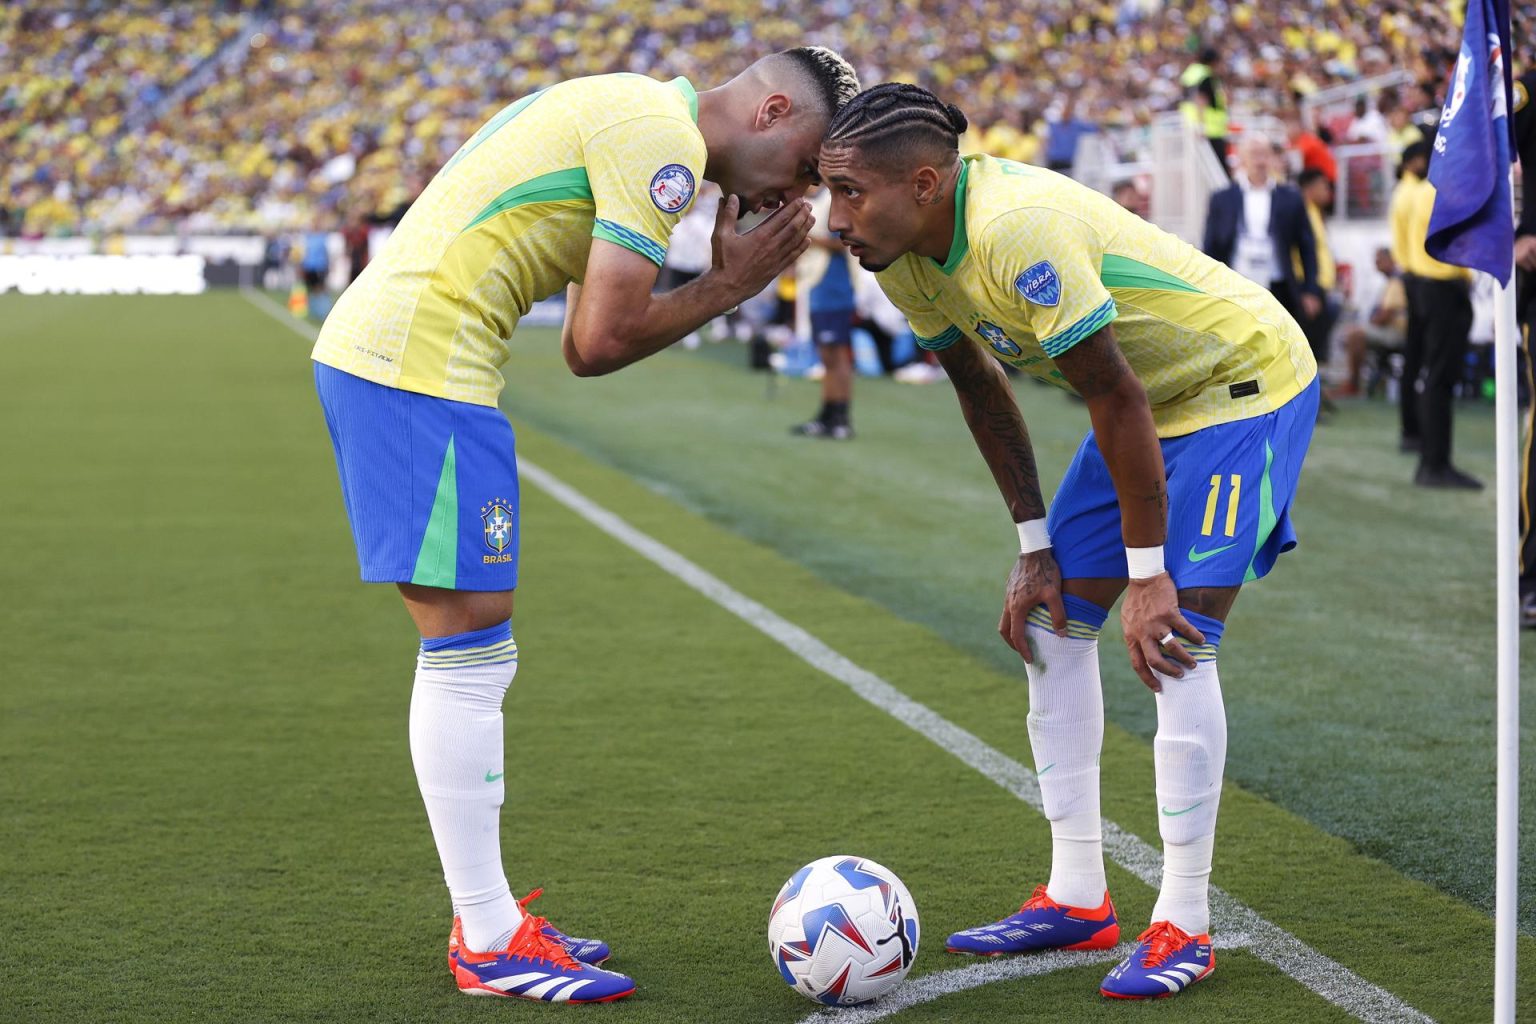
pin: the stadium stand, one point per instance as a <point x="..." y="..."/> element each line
<point x="269" y="116"/>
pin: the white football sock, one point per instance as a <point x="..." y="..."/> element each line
<point x="1066" y="732"/>
<point x="456" y="746"/>
<point x="1184" y="898"/>
<point x="1189" y="755"/>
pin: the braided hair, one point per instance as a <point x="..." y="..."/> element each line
<point x="893" y="122"/>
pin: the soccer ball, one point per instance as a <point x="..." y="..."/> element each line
<point x="843" y="930"/>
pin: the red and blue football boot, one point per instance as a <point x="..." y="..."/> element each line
<point x="1041" y="923"/>
<point x="591" y="952"/>
<point x="1165" y="962"/>
<point x="534" y="966"/>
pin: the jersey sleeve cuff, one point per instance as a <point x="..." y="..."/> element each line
<point x="1061" y="341"/>
<point x="949" y="337"/>
<point x="618" y="234"/>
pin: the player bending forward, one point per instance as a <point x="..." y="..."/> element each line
<point x="582" y="181"/>
<point x="1202" y="397"/>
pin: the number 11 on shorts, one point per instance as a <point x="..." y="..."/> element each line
<point x="1209" y="523"/>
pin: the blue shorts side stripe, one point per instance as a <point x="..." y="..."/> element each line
<point x="437" y="561"/>
<point x="1267" y="516"/>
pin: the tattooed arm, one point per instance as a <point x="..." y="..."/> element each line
<point x="1127" y="438"/>
<point x="995" y="421"/>
<point x="998" y="427"/>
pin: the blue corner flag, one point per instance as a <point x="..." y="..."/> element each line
<point x="1473" y="223"/>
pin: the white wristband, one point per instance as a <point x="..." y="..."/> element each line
<point x="1032" y="536"/>
<point x="1144" y="563"/>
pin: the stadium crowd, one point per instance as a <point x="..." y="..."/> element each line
<point x="324" y="111"/>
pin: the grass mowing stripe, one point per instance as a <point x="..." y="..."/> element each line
<point x="1324" y="976"/>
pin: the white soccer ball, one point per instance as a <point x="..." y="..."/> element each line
<point x="843" y="931"/>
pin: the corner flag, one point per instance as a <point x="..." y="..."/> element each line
<point x="1473" y="223"/>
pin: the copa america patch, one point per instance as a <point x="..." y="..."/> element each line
<point x="1040" y="284"/>
<point x="672" y="188"/>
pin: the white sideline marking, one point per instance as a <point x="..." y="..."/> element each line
<point x="942" y="983"/>
<point x="262" y="301"/>
<point x="1329" y="979"/>
<point x="960" y="979"/>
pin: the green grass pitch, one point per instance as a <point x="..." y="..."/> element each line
<point x="208" y="806"/>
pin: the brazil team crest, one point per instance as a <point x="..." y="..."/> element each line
<point x="1040" y="284"/>
<point x="497" y="517"/>
<point x="998" y="339"/>
<point x="672" y="188"/>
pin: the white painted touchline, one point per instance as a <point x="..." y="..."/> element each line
<point x="262" y="301"/>
<point x="943" y="983"/>
<point x="1329" y="979"/>
<point x="960" y="979"/>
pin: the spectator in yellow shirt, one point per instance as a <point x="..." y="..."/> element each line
<point x="1445" y="304"/>
<point x="1410" y="179"/>
<point x="1317" y="196"/>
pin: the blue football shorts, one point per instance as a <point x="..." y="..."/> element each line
<point x="1230" y="489"/>
<point x="832" y="328"/>
<point x="430" y="485"/>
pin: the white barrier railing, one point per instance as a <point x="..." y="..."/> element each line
<point x="243" y="249"/>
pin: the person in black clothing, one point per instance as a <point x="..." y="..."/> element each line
<point x="1524" y="113"/>
<point x="1260" y="229"/>
<point x="1317" y="192"/>
<point x="1205" y="103"/>
<point x="1412" y="169"/>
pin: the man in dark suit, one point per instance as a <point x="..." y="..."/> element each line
<point x="1260" y="229"/>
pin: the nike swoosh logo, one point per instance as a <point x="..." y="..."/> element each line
<point x="1200" y="556"/>
<point x="1047" y="768"/>
<point x="492" y="778"/>
<point x="1175" y="814"/>
<point x="934" y="296"/>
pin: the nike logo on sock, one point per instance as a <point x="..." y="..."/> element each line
<point x="1175" y="814"/>
<point x="489" y="777"/>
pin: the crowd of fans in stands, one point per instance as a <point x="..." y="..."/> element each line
<point x="335" y="111"/>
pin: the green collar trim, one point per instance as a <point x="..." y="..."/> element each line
<point x="960" y="244"/>
<point x="690" y="94"/>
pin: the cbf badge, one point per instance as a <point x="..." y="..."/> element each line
<point x="1040" y="284"/>
<point x="997" y="338"/>
<point x="497" y="517"/>
<point x="672" y="188"/>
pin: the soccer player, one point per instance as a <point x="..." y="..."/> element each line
<point x="580" y="182"/>
<point x="824" y="284"/>
<point x="1202" y="392"/>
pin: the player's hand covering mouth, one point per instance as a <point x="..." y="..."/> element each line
<point x="765" y="204"/>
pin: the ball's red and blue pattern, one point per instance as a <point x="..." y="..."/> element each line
<point x="843" y="931"/>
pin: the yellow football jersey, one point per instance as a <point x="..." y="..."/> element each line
<point x="508" y="221"/>
<point x="1039" y="263"/>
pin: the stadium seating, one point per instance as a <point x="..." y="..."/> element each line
<point x="305" y="110"/>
